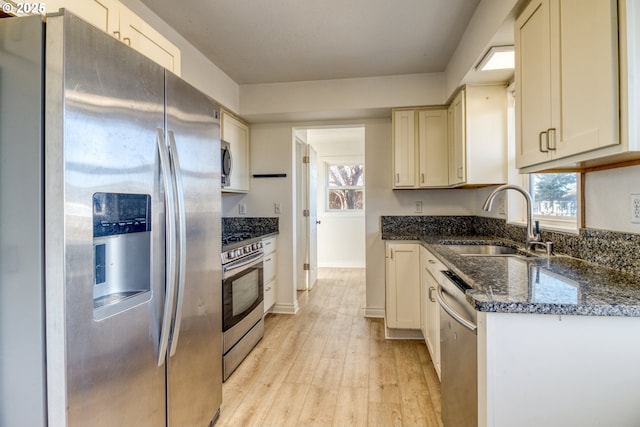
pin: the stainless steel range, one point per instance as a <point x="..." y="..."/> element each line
<point x="242" y="294"/>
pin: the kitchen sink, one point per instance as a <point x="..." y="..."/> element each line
<point x="474" y="249"/>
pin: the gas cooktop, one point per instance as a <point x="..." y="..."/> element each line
<point x="230" y="238"/>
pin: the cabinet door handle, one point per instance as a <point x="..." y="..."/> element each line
<point x="127" y="39"/>
<point x="540" y="142"/>
<point x="422" y="178"/>
<point x="431" y="261"/>
<point x="269" y="288"/>
<point x="431" y="298"/>
<point x="116" y="34"/>
<point x="391" y="250"/>
<point x="397" y="178"/>
<point x="460" y="172"/>
<point x="267" y="260"/>
<point x="549" y="138"/>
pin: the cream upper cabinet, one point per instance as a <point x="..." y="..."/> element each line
<point x="103" y="14"/>
<point x="420" y="148"/>
<point x="145" y="39"/>
<point x="457" y="140"/>
<point x="404" y="149"/>
<point x="402" y="309"/>
<point x="566" y="80"/>
<point x="432" y="146"/>
<point x="236" y="133"/>
<point x="114" y="18"/>
<point x="478" y="136"/>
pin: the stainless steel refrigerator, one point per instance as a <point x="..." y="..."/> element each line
<point x="110" y="298"/>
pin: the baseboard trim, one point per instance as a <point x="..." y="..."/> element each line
<point x="285" y="308"/>
<point x="402" y="334"/>
<point x="374" y="312"/>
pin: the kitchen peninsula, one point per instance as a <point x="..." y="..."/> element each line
<point x="549" y="328"/>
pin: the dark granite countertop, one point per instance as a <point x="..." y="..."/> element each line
<point x="558" y="284"/>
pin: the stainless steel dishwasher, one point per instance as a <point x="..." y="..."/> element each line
<point x="458" y="353"/>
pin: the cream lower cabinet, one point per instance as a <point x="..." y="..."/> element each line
<point x="236" y="133"/>
<point x="270" y="271"/>
<point x="430" y="268"/>
<point x="402" y="308"/>
<point x="114" y="18"/>
<point x="567" y="94"/>
<point x="420" y="148"/>
<point x="477" y="120"/>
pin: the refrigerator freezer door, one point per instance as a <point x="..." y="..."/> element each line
<point x="22" y="369"/>
<point x="104" y="105"/>
<point x="194" y="389"/>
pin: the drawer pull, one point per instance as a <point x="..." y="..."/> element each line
<point x="268" y="289"/>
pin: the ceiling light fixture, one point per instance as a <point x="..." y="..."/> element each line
<point x="497" y="58"/>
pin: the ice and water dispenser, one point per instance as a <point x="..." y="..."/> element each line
<point x="122" y="252"/>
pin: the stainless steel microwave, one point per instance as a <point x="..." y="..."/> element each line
<point x="225" y="157"/>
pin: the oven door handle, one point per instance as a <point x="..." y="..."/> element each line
<point x="244" y="264"/>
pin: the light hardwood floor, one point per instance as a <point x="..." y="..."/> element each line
<point x="330" y="366"/>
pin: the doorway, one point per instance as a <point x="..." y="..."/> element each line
<point x="336" y="188"/>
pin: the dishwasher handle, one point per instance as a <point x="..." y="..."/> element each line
<point x="451" y="312"/>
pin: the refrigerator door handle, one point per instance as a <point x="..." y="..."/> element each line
<point x="182" y="241"/>
<point x="171" y="247"/>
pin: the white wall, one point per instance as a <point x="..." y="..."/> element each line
<point x="341" y="235"/>
<point x="608" y="201"/>
<point x="340" y="98"/>
<point x="273" y="151"/>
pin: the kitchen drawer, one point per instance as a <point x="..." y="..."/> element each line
<point x="269" y="295"/>
<point x="431" y="263"/>
<point x="270" y="262"/>
<point x="270" y="244"/>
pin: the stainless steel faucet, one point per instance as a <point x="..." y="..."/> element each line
<point x="533" y="228"/>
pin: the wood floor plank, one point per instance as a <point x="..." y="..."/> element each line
<point x="383" y="381"/>
<point x="328" y="374"/>
<point x="356" y="370"/>
<point x="287" y="406"/>
<point x="319" y="407"/>
<point x="352" y="407"/>
<point x="384" y="415"/>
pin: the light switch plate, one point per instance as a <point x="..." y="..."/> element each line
<point x="277" y="208"/>
<point x="242" y="209"/>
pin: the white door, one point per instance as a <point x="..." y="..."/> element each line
<point x="312" y="218"/>
<point x="301" y="219"/>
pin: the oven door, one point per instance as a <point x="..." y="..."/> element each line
<point x="242" y="289"/>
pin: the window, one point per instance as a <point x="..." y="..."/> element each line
<point x="554" y="198"/>
<point x="345" y="187"/>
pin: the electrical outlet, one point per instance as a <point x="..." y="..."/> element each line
<point x="501" y="207"/>
<point x="242" y="209"/>
<point x="418" y="206"/>
<point x="635" y="208"/>
<point x="277" y="208"/>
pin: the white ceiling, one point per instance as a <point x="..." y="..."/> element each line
<point x="269" y="41"/>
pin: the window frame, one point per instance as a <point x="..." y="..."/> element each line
<point x="562" y="222"/>
<point x="328" y="188"/>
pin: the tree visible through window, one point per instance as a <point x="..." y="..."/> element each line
<point x="345" y="187"/>
<point x="554" y="194"/>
